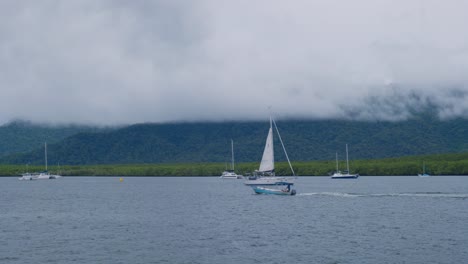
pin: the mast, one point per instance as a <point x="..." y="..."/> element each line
<point x="45" y="150"/>
<point x="336" y="161"/>
<point x="232" y="154"/>
<point x="347" y="162"/>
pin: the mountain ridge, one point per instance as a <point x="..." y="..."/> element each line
<point x="210" y="141"/>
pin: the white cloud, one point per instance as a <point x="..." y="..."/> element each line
<point x="135" y="61"/>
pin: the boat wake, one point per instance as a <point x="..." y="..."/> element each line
<point x="330" y="194"/>
<point x="417" y="194"/>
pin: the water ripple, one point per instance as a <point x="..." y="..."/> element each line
<point x="205" y="220"/>
<point x="417" y="194"/>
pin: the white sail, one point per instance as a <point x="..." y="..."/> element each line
<point x="268" y="159"/>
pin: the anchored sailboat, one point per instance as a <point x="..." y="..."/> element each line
<point x="230" y="174"/>
<point x="424" y="174"/>
<point x="265" y="175"/>
<point x="43" y="175"/>
<point x="338" y="174"/>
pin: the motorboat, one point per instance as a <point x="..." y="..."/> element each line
<point x="230" y="174"/>
<point x="277" y="191"/>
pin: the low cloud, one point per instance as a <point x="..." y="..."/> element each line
<point x="117" y="62"/>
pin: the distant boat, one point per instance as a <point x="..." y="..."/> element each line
<point x="230" y="174"/>
<point x="346" y="175"/>
<point x="265" y="175"/>
<point x="43" y="175"/>
<point x="27" y="177"/>
<point x="424" y="174"/>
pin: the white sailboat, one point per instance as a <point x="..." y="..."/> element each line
<point x="424" y="174"/>
<point x="265" y="175"/>
<point x="231" y="174"/>
<point x="43" y="175"/>
<point x="338" y="174"/>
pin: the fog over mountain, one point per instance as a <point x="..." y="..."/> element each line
<point x="117" y="62"/>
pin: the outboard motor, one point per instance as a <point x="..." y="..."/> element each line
<point x="293" y="192"/>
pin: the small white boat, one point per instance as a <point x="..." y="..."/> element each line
<point x="45" y="175"/>
<point x="38" y="176"/>
<point x="346" y="175"/>
<point x="230" y="174"/>
<point x="27" y="177"/>
<point x="265" y="175"/>
<point x="283" y="191"/>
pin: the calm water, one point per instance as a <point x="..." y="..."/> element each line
<point x="209" y="220"/>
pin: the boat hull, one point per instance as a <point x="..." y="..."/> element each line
<point x="26" y="178"/>
<point x="231" y="177"/>
<point x="263" y="190"/>
<point x="38" y="176"/>
<point x="345" y="176"/>
<point x="47" y="176"/>
<point x="270" y="181"/>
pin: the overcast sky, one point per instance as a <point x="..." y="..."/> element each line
<point x="120" y="62"/>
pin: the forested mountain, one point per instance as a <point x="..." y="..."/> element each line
<point x="22" y="136"/>
<point x="305" y="140"/>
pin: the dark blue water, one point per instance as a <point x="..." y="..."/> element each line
<point x="209" y="220"/>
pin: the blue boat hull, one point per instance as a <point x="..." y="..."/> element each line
<point x="262" y="190"/>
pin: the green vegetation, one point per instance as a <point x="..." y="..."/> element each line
<point x="194" y="143"/>
<point x="22" y="136"/>
<point x="446" y="164"/>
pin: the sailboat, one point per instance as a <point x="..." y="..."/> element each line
<point x="424" y="174"/>
<point x="338" y="174"/>
<point x="265" y="175"/>
<point x="230" y="174"/>
<point x="43" y="175"/>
